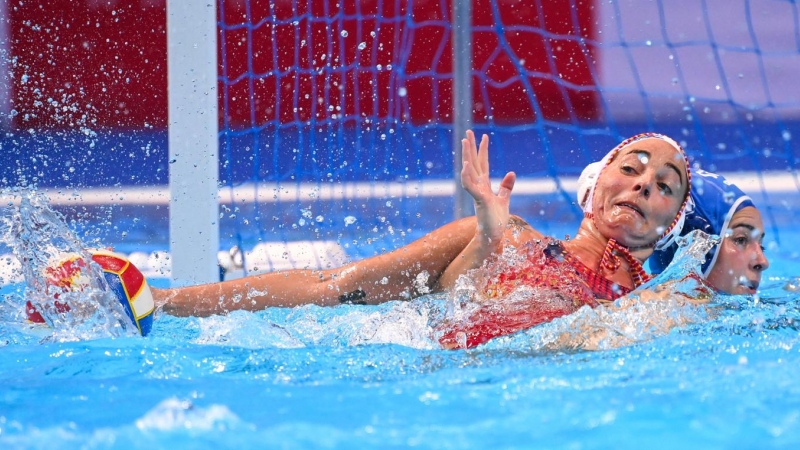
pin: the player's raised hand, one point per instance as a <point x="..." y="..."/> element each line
<point x="491" y="209"/>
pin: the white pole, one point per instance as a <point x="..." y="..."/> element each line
<point x="462" y="96"/>
<point x="193" y="140"/>
<point x="6" y="84"/>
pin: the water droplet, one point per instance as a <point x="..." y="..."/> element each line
<point x="728" y="197"/>
<point x="362" y="46"/>
<point x="349" y="220"/>
<point x="402" y="92"/>
<point x="344" y="33"/>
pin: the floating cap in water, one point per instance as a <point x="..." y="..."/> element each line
<point x="715" y="200"/>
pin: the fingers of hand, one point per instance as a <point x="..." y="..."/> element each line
<point x="468" y="157"/>
<point x="471" y="139"/>
<point x="507" y="185"/>
<point x="475" y="165"/>
<point x="471" y="152"/>
<point x="467" y="174"/>
<point x="483" y="154"/>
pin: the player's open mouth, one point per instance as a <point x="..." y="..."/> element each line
<point x="631" y="206"/>
<point x="751" y="286"/>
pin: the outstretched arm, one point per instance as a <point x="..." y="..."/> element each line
<point x="407" y="272"/>
<point x="491" y="210"/>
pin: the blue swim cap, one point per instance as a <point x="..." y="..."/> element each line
<point x="716" y="200"/>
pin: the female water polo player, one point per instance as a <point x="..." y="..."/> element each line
<point x="403" y="273"/>
<point x="735" y="265"/>
<point x="399" y="274"/>
<point x="416" y="268"/>
<point x="636" y="203"/>
<point x="625" y="224"/>
<point x="718" y="207"/>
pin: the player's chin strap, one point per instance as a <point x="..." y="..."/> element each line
<point x="675" y="229"/>
<point x="611" y="260"/>
<point x="614" y="249"/>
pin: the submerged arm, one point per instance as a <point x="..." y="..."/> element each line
<point x="641" y="315"/>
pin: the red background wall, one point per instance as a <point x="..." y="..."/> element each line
<point x="102" y="63"/>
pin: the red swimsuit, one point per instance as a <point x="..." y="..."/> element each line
<point x="551" y="283"/>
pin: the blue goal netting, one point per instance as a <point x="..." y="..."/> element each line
<point x="338" y="117"/>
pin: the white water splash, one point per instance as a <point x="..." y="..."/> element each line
<point x="675" y="298"/>
<point x="175" y="414"/>
<point x="38" y="235"/>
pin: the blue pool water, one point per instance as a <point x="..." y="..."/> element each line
<point x="371" y="377"/>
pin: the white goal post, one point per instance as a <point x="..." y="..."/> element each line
<point x="193" y="140"/>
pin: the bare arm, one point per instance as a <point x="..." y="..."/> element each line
<point x="641" y="315"/>
<point x="491" y="210"/>
<point x="403" y="273"/>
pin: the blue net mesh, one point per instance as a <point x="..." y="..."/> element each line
<point x="337" y="117"/>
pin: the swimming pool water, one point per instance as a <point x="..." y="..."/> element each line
<point x="243" y="380"/>
<point x="719" y="384"/>
<point x="371" y="377"/>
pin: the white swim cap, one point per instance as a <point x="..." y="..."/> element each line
<point x="588" y="181"/>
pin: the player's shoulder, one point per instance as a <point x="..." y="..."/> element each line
<point x="520" y="231"/>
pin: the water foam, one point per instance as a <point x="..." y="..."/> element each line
<point x="38" y="236"/>
<point x="676" y="298"/>
<point x="176" y="414"/>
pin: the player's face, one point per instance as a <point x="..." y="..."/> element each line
<point x="639" y="194"/>
<point x="741" y="259"/>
